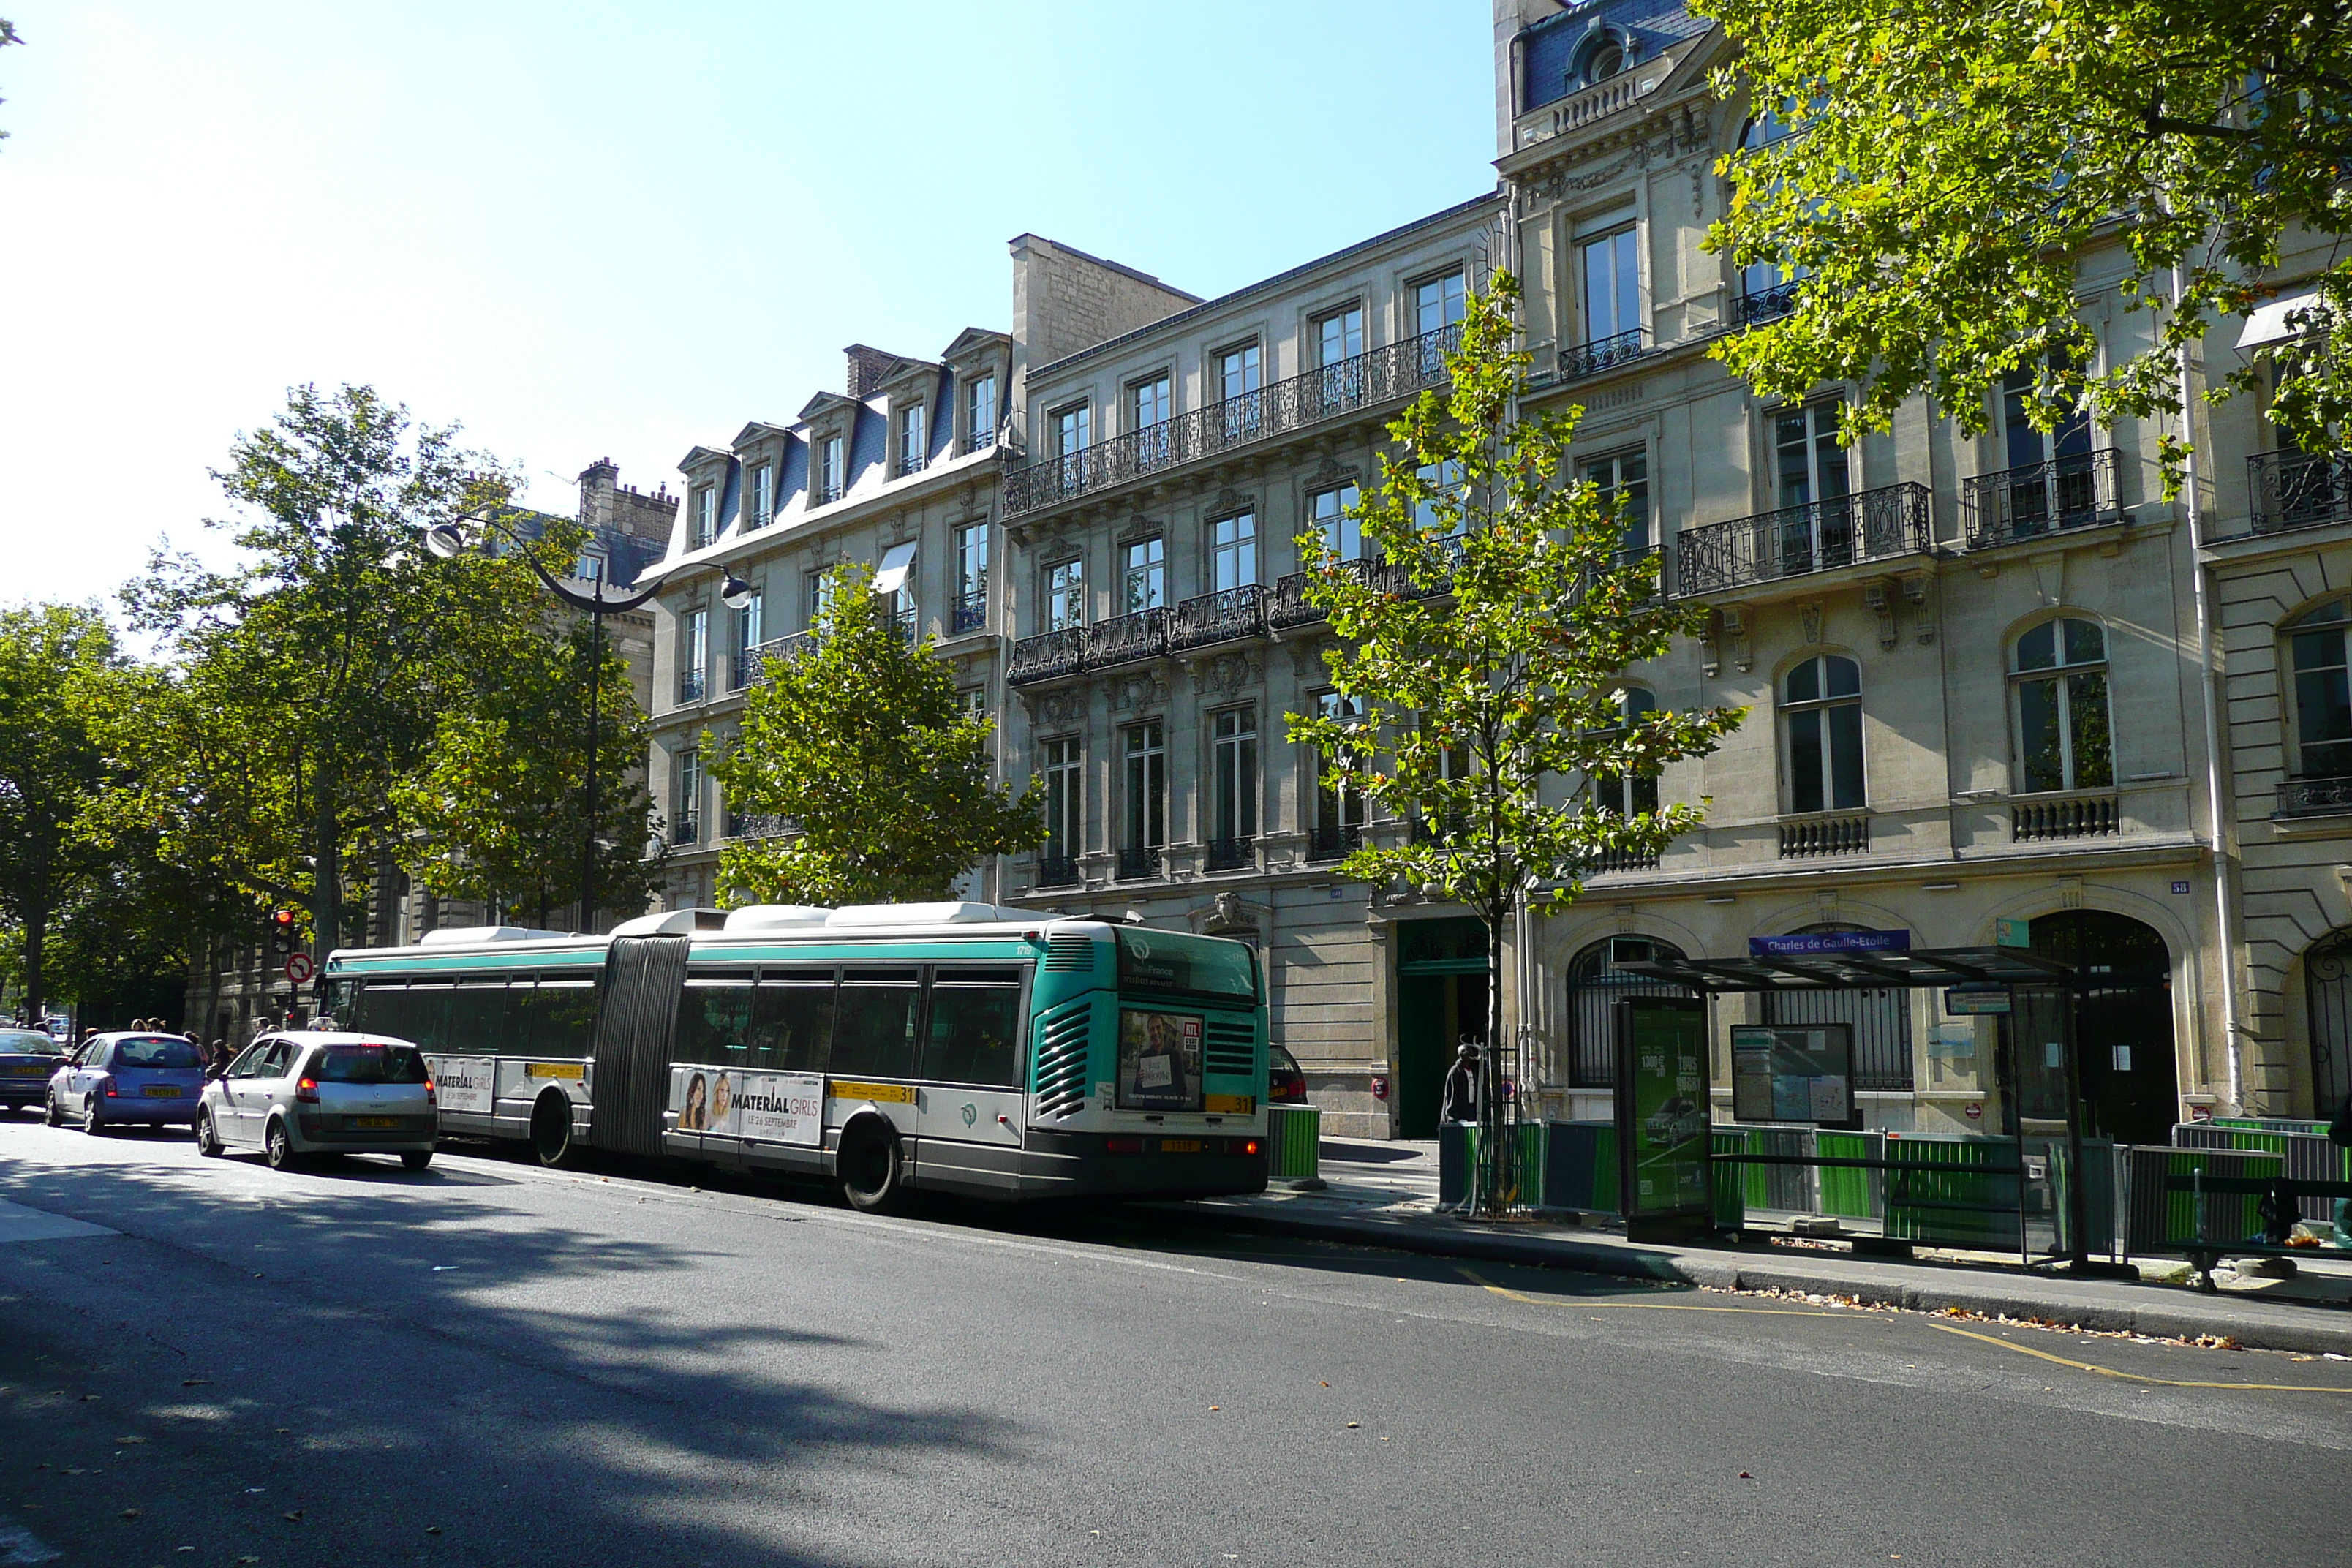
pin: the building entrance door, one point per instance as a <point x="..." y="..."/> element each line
<point x="2327" y="994"/>
<point x="2122" y="1022"/>
<point x="1441" y="1001"/>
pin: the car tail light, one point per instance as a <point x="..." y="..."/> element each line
<point x="429" y="1098"/>
<point x="111" y="1090"/>
<point x="1124" y="1145"/>
<point x="306" y="1090"/>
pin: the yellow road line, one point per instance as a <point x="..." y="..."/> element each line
<point x="2135" y="1376"/>
<point x="1510" y="1295"/>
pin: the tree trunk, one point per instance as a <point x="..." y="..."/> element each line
<point x="37" y="937"/>
<point x="326" y="877"/>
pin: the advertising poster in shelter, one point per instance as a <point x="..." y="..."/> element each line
<point x="1800" y="1072"/>
<point x="1663" y="1108"/>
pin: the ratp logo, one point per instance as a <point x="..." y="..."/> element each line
<point x="970" y="1113"/>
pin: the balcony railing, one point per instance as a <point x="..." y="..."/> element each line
<point x="691" y="685"/>
<point x="1764" y="305"/>
<point x="1384" y="376"/>
<point x="2095" y="816"/>
<point x="2315" y="797"/>
<point x="759" y="825"/>
<point x="828" y="491"/>
<point x="1601" y="354"/>
<point x="1219" y="617"/>
<point x="970" y="612"/>
<point x="1871" y="525"/>
<point x="1057" y="871"/>
<point x="1138" y="862"/>
<point x="1232" y="854"/>
<point x="1831" y="833"/>
<point x="2299" y="489"/>
<point x="1123" y="639"/>
<point x="1334" y="840"/>
<point x="981" y="440"/>
<point x="751" y="664"/>
<point x="2012" y="504"/>
<point x="1610" y="862"/>
<point x="1048" y="657"/>
<point x="686" y="830"/>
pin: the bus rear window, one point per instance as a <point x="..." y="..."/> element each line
<point x="1171" y="960"/>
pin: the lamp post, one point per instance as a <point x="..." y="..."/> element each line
<point x="447" y="540"/>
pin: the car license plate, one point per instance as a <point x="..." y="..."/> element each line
<point x="28" y="1069"/>
<point x="1180" y="1146"/>
<point x="375" y="1121"/>
<point x="161" y="1091"/>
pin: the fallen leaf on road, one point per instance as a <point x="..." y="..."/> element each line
<point x="295" y="1517"/>
<point x="1216" y="1407"/>
<point x="432" y="1529"/>
<point x="1745" y="1476"/>
<point x="88" y="1398"/>
<point x="131" y="1439"/>
<point x="1326" y="1385"/>
<point x="1354" y="1425"/>
<point x="131" y="1514"/>
<point x="194" y="1383"/>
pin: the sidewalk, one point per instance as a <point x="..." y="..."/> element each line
<point x="1385" y="1194"/>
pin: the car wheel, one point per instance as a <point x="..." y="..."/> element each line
<point x="93" y="1121"/>
<point x="872" y="1170"/>
<point x="208" y="1141"/>
<point x="277" y="1147"/>
<point x="416" y="1159"/>
<point x="51" y="1113"/>
<point x="550" y="1130"/>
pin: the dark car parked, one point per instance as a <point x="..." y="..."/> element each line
<point x="28" y="1057"/>
<point x="1285" y="1084"/>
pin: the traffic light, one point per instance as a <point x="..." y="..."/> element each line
<point x="281" y="931"/>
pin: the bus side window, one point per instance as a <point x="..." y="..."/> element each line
<point x="428" y="1018"/>
<point x="380" y="1008"/>
<point x="522" y="1017"/>
<point x="567" y="1017"/>
<point x="714" y="1020"/>
<point x="477" y="1016"/>
<point x="975" y="1027"/>
<point x="791" y="1022"/>
<point x="873" y="1023"/>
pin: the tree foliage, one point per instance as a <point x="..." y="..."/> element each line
<point x="1949" y="162"/>
<point x="876" y="771"/>
<point x="1481" y="660"/>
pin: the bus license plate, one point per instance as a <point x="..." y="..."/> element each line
<point x="375" y="1121"/>
<point x="161" y="1091"/>
<point x="1180" y="1146"/>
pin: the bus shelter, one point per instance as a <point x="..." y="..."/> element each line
<point x="1854" y="962"/>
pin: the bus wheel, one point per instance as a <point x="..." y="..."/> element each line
<point x="870" y="1168"/>
<point x="550" y="1129"/>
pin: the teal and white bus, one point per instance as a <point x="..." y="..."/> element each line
<point x="958" y="1048"/>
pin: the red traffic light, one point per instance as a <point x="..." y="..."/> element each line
<point x="283" y="919"/>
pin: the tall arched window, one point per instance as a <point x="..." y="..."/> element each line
<point x="1627" y="794"/>
<point x="1821" y="734"/>
<point x="2322" y="692"/>
<point x="1594" y="983"/>
<point x="2064" y="737"/>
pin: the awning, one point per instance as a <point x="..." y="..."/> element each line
<point x="1922" y="967"/>
<point x="2268" y="324"/>
<point x="897" y="562"/>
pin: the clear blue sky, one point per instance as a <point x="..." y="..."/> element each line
<point x="587" y="230"/>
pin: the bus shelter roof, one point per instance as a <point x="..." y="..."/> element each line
<point x="1933" y="966"/>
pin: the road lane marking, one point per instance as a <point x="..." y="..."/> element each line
<point x="2135" y="1376"/>
<point x="1510" y="1295"/>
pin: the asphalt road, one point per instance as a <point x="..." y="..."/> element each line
<point x="486" y="1363"/>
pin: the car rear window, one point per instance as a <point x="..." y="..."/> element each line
<point x="161" y="1051"/>
<point x="29" y="1043"/>
<point x="370" y="1064"/>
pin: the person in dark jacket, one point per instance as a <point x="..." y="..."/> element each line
<point x="1461" y="1098"/>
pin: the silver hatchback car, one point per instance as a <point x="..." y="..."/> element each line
<point x="291" y="1096"/>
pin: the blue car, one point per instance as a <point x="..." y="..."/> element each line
<point x="28" y="1057"/>
<point x="156" y="1080"/>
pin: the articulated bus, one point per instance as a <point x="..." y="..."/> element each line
<point x="956" y="1048"/>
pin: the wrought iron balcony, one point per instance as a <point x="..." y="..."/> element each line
<point x="1232" y="854"/>
<point x="1828" y="833"/>
<point x="911" y="463"/>
<point x="2097" y="814"/>
<point x="1334" y="840"/>
<point x="828" y="492"/>
<point x="759" y="825"/>
<point x="1218" y="617"/>
<point x="1871" y="525"/>
<point x="2299" y="489"/>
<point x="1123" y="639"/>
<point x="1601" y="354"/>
<point x="1764" y="305"/>
<point x="981" y="440"/>
<point x="1334" y="391"/>
<point x="686" y="830"/>
<point x="1057" y="871"/>
<point x="2012" y="504"/>
<point x="751" y="664"/>
<point x="691" y="685"/>
<point x="756" y="519"/>
<point x="1048" y="657"/>
<point x="2315" y="797"/>
<point x="1138" y="862"/>
<point x="970" y="612"/>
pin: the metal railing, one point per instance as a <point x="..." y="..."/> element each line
<point x="2098" y="815"/>
<point x="914" y="464"/>
<point x="1057" y="871"/>
<point x="751" y="663"/>
<point x="761" y="825"/>
<point x="827" y="494"/>
<point x="981" y="440"/>
<point x="1334" y="841"/>
<point x="691" y="685"/>
<point x="1831" y="833"/>
<point x="756" y="519"/>
<point x="2004" y="506"/>
<point x="1381" y="376"/>
<point x="970" y="612"/>
<point x="1869" y="525"/>
<point x="1219" y="617"/>
<point x="2299" y="489"/>
<point x="1232" y="854"/>
<point x="1601" y="354"/>
<point x="1048" y="655"/>
<point x="686" y="830"/>
<point x="1138" y="862"/>
<point x="1764" y="305"/>
<point x="1123" y="639"/>
<point x="2314" y="797"/>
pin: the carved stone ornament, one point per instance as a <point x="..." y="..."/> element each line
<point x="1333" y="472"/>
<point x="1231" y="500"/>
<point x="1063" y="706"/>
<point x="1880" y="597"/>
<point x="1810" y="614"/>
<point x="1129" y="693"/>
<point x="1916" y="588"/>
<point x="1228" y="673"/>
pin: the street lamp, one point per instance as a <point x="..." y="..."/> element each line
<point x="447" y="539"/>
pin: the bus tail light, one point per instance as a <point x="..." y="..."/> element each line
<point x="1123" y="1146"/>
<point x="306" y="1090"/>
<point x="1245" y="1146"/>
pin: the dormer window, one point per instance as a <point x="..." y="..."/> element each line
<point x="979" y="407"/>
<point x="830" y="469"/>
<point x="1605" y="60"/>
<point x="764" y="496"/>
<point x="914" y="438"/>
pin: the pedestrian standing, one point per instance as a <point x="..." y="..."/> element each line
<point x="218" y="1066"/>
<point x="1461" y="1098"/>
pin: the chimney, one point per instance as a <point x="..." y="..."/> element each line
<point x="867" y="366"/>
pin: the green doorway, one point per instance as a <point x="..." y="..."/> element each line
<point x="2122" y="1022"/>
<point x="1442" y="983"/>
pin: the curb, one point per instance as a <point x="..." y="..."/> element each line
<point x="2157" y="1318"/>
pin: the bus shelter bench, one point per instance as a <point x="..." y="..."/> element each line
<point x="2203" y="1252"/>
